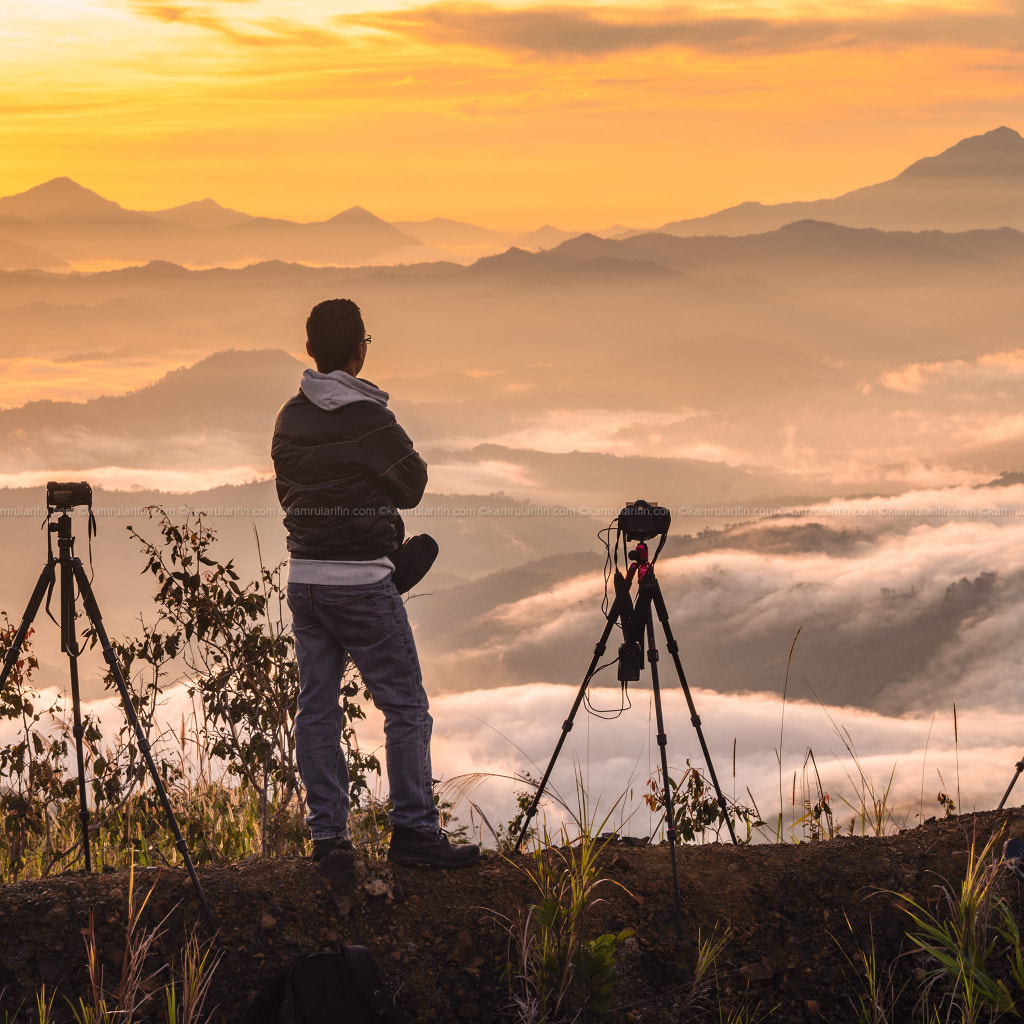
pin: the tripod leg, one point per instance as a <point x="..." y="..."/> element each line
<point x="599" y="649"/>
<point x="670" y="832"/>
<point x="69" y="645"/>
<point x="93" y="611"/>
<point x="46" y="580"/>
<point x="673" y="648"/>
<point x="1020" y="768"/>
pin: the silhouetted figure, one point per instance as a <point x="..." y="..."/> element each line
<point x="344" y="467"/>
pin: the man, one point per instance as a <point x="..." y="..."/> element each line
<point x="344" y="467"/>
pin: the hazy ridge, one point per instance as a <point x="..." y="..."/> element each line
<point x="977" y="183"/>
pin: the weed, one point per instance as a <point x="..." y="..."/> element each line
<point x="105" y="1006"/>
<point x="557" y="973"/>
<point x="878" y="997"/>
<point x="695" y="807"/>
<point x="971" y="944"/>
<point x="817" y="817"/>
<point x="194" y="975"/>
<point x="782" y="729"/>
<point x="44" y="1006"/>
<point x="561" y="975"/>
<point x="705" y="967"/>
<point x="184" y="993"/>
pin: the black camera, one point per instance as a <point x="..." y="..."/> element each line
<point x="61" y="497"/>
<point x="640" y="520"/>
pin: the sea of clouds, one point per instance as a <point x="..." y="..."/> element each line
<point x="768" y="753"/>
<point x="870" y="648"/>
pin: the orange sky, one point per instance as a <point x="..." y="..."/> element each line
<point x="507" y="114"/>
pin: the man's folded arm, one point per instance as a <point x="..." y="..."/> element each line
<point x="397" y="465"/>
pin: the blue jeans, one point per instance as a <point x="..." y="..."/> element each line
<point x="367" y="623"/>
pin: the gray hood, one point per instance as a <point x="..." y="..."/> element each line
<point x="330" y="391"/>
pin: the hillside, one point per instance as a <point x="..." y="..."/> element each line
<point x="794" y="915"/>
<point x="976" y="183"/>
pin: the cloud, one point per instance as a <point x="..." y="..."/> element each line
<point x="578" y="31"/>
<point x="992" y="371"/>
<point x="611" y="431"/>
<point x="482" y="739"/>
<point x="903" y="604"/>
<point x="127" y="478"/>
<point x="257" y="32"/>
<point x="482" y="477"/>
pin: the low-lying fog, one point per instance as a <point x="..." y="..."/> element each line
<point x="832" y="415"/>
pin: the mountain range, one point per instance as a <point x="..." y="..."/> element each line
<point x="71" y="222"/>
<point x="977" y="183"/>
<point x="726" y="377"/>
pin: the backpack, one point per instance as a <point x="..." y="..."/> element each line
<point x="326" y="987"/>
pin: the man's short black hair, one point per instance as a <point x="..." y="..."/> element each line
<point x="334" y="330"/>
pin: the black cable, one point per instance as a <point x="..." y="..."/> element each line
<point x="91" y="532"/>
<point x="608" y="714"/>
<point x="605" y="537"/>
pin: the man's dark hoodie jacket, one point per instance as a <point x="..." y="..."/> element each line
<point x="344" y="467"/>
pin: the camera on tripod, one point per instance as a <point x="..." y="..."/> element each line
<point x="61" y="497"/>
<point x="640" y="520"/>
<point x="66" y="569"/>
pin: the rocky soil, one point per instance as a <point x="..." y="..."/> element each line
<point x="795" y="917"/>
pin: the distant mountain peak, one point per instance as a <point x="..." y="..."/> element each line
<point x="358" y="218"/>
<point x="63" y="185"/>
<point x="995" y="154"/>
<point x="64" y="190"/>
<point x="202" y="213"/>
<point x="60" y="198"/>
<point x="358" y="215"/>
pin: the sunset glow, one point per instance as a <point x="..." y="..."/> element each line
<point x="511" y="114"/>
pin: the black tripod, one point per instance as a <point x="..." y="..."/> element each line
<point x="72" y="572"/>
<point x="1020" y="768"/>
<point x="637" y="623"/>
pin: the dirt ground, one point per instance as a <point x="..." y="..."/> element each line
<point x="795" y="917"/>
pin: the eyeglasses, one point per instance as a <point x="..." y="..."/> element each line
<point x="368" y="339"/>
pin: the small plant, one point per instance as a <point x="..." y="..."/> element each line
<point x="35" y="784"/>
<point x="44" y="1006"/>
<point x="186" y="992"/>
<point x="705" y="968"/>
<point x="695" y="807"/>
<point x="238" y="658"/>
<point x="108" y="1006"/>
<point x="876" y="1003"/>
<point x="562" y="975"/>
<point x="508" y="833"/>
<point x="557" y="973"/>
<point x="974" y="945"/>
<point x="137" y="984"/>
<point x="817" y="819"/>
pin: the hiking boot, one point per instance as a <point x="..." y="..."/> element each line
<point x="324" y="848"/>
<point x="430" y="849"/>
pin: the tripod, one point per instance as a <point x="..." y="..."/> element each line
<point x="1020" y="768"/>
<point x="72" y="572"/>
<point x="637" y="623"/>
